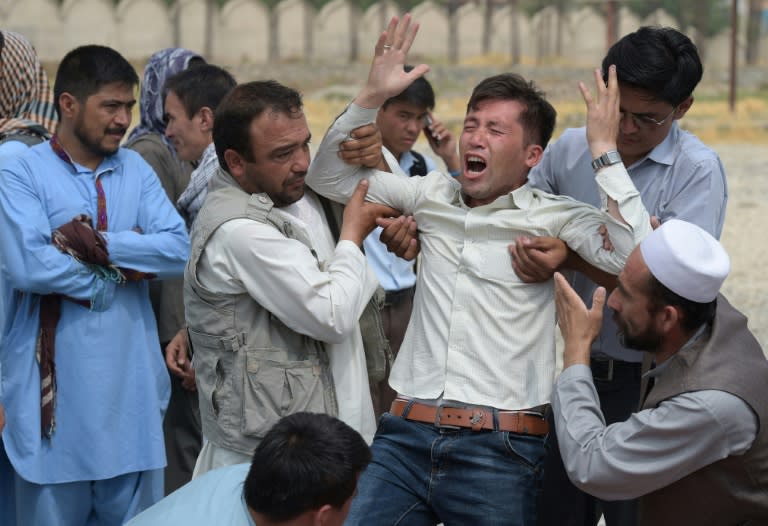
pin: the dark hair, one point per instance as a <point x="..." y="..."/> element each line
<point x="307" y="460"/>
<point x="84" y="70"/>
<point x="418" y="93"/>
<point x="203" y="85"/>
<point x="695" y="314"/>
<point x="233" y="117"/>
<point x="660" y="60"/>
<point x="538" y="117"/>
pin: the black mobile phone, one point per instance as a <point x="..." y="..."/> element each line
<point x="428" y="132"/>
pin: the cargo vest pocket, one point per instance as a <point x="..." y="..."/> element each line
<point x="273" y="389"/>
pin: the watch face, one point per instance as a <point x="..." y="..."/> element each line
<point x="606" y="159"/>
<point x="611" y="157"/>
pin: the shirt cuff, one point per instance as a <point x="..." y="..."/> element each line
<point x="102" y="295"/>
<point x="615" y="181"/>
<point x="577" y="371"/>
<point x="345" y="246"/>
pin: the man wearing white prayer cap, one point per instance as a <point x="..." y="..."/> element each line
<point x="697" y="451"/>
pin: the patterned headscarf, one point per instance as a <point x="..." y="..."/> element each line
<point x="26" y="98"/>
<point x="162" y="65"/>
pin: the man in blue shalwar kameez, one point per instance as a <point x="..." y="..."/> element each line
<point x="84" y="435"/>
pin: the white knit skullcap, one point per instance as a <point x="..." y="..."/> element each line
<point x="686" y="259"/>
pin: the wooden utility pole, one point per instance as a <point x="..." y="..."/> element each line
<point x="734" y="55"/>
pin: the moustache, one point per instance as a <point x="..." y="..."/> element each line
<point x="296" y="178"/>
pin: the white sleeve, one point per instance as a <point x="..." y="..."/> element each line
<point x="283" y="276"/>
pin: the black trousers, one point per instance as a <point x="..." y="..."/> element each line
<point x="183" y="434"/>
<point x="562" y="503"/>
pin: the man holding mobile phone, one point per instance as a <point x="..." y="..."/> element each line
<point x="401" y="119"/>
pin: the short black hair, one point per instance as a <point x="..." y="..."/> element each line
<point x="418" y="93"/>
<point x="244" y="103"/>
<point x="539" y="116"/>
<point x="84" y="70"/>
<point x="203" y="85"/>
<point x="695" y="314"/>
<point x="659" y="60"/>
<point x="307" y="460"/>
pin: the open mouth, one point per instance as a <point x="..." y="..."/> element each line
<point x="474" y="164"/>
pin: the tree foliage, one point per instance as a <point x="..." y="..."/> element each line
<point x="707" y="17"/>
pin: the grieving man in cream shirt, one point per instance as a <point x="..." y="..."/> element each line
<point x="463" y="443"/>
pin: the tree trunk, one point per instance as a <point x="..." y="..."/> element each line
<point x="514" y="32"/>
<point x="559" y="28"/>
<point x="176" y="23"/>
<point x="273" y="47"/>
<point x="354" y="40"/>
<point x="309" y="31"/>
<point x="453" y="32"/>
<point x="753" y="32"/>
<point x="208" y="30"/>
<point x="612" y="23"/>
<point x="487" y="26"/>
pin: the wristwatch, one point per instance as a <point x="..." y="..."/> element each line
<point x="607" y="159"/>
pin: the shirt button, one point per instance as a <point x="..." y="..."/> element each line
<point x="262" y="198"/>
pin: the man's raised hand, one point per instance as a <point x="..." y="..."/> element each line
<point x="387" y="77"/>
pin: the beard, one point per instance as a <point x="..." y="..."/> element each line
<point x="646" y="340"/>
<point x="288" y="197"/>
<point x="94" y="144"/>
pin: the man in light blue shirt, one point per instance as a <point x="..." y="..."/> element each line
<point x="677" y="177"/>
<point x="83" y="385"/>
<point x="304" y="471"/>
<point x="401" y="120"/>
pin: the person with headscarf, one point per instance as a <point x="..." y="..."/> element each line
<point x="181" y="425"/>
<point x="27" y="117"/>
<point x="27" y="113"/>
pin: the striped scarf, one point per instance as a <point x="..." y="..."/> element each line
<point x="26" y="99"/>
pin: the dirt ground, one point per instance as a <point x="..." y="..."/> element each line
<point x="744" y="234"/>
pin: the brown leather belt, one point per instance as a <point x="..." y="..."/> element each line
<point x="474" y="418"/>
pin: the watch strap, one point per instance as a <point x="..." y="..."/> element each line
<point x="607" y="159"/>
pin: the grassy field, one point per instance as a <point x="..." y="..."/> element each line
<point x="709" y="118"/>
<point x="328" y="88"/>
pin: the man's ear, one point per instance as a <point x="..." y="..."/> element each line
<point x="68" y="104"/>
<point x="683" y="107"/>
<point x="235" y="163"/>
<point x="206" y="119"/>
<point x="324" y="515"/>
<point x="533" y="154"/>
<point x="668" y="318"/>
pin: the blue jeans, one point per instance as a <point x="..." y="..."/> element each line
<point x="424" y="475"/>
